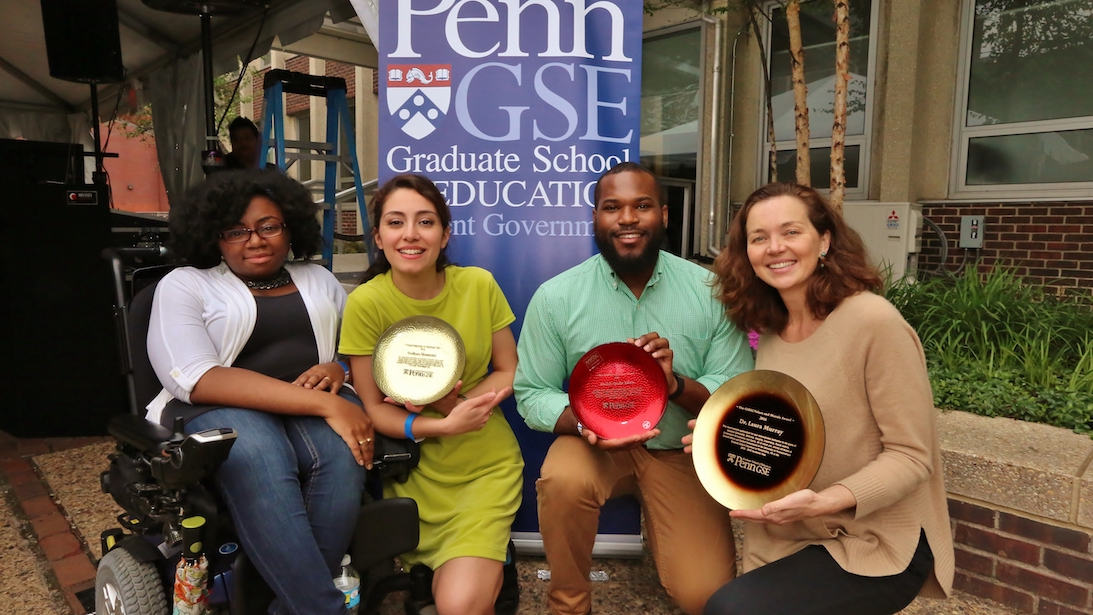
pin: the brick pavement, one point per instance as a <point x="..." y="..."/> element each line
<point x="71" y="564"/>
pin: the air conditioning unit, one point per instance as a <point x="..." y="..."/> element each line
<point x="892" y="233"/>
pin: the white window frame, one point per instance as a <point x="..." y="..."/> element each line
<point x="962" y="136"/>
<point x="864" y="140"/>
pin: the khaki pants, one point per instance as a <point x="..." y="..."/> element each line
<point x="689" y="533"/>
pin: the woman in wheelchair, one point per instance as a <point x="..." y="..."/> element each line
<point x="468" y="482"/>
<point x="243" y="338"/>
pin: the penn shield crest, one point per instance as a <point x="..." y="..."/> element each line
<point x="418" y="96"/>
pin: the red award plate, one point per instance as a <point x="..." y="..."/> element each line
<point x="618" y="390"/>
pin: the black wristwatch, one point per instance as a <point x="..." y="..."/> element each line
<point x="679" y="387"/>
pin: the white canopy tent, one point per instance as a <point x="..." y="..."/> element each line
<point x="161" y="52"/>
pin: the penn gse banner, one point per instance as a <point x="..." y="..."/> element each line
<point x="514" y="108"/>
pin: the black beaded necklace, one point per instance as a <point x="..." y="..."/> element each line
<point x="281" y="279"/>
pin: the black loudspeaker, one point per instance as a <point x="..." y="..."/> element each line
<point x="82" y="40"/>
<point x="59" y="365"/>
<point x="40" y="162"/>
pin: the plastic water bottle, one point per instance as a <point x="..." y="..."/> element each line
<point x="349" y="581"/>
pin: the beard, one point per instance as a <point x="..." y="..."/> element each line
<point x="631" y="265"/>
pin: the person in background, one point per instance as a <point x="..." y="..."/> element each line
<point x="872" y="530"/>
<point x="633" y="292"/>
<point x="244" y="338"/>
<point x="468" y="482"/>
<point x="245" y="139"/>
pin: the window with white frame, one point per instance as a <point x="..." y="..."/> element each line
<point x="671" y="112"/>
<point x="1025" y="119"/>
<point x="671" y="102"/>
<point x="818" y="39"/>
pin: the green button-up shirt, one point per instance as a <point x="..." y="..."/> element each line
<point x="590" y="305"/>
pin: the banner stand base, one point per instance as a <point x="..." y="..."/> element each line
<point x="623" y="546"/>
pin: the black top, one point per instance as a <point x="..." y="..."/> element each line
<point x="282" y="345"/>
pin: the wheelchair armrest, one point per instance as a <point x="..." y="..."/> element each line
<point x="140" y="433"/>
<point x="385" y="529"/>
<point x="195" y="458"/>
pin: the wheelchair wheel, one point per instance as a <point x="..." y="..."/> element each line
<point x="125" y="586"/>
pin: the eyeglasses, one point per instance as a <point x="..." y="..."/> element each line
<point x="240" y="235"/>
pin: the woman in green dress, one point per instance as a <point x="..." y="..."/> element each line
<point x="468" y="483"/>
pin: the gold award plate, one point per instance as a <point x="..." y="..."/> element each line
<point x="758" y="438"/>
<point x="418" y="360"/>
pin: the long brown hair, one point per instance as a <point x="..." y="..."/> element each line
<point x="754" y="305"/>
<point x="427" y="189"/>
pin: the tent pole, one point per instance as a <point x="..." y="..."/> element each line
<point x="207" y="57"/>
<point x="99" y="176"/>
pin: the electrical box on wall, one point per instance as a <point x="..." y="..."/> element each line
<point x="892" y="233"/>
<point x="971" y="231"/>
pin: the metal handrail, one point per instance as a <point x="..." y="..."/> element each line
<point x="342" y="196"/>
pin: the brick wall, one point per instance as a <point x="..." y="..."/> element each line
<point x="1048" y="243"/>
<point x="1029" y="565"/>
<point x="258" y="96"/>
<point x="347" y="222"/>
<point x="294" y="103"/>
<point x="345" y="71"/>
<point x="135" y="181"/>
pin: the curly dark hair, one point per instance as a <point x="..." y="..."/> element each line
<point x="426" y="188"/>
<point x="752" y="304"/>
<point x="218" y="204"/>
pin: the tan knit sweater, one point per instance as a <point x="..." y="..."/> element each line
<point x="866" y="369"/>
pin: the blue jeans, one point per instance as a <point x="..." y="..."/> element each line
<point x="294" y="491"/>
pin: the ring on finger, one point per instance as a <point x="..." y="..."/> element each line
<point x="325" y="378"/>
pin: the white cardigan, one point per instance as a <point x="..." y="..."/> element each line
<point x="202" y="318"/>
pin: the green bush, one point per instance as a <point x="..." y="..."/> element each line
<point x="998" y="346"/>
<point x="342" y="246"/>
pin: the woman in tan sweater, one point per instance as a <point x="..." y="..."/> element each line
<point x="872" y="531"/>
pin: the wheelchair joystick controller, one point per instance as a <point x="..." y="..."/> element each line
<point x="187" y="459"/>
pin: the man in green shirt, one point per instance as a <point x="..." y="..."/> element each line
<point x="630" y="292"/>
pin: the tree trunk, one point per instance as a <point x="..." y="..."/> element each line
<point x="773" y="156"/>
<point x="800" y="90"/>
<point x="842" y="77"/>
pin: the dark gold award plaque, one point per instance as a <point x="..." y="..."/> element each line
<point x="418" y="360"/>
<point x="758" y="438"/>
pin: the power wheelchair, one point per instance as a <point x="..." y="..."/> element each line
<point x="161" y="477"/>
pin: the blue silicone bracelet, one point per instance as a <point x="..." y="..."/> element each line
<point x="408" y="426"/>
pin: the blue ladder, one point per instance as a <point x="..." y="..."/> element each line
<point x="278" y="82"/>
